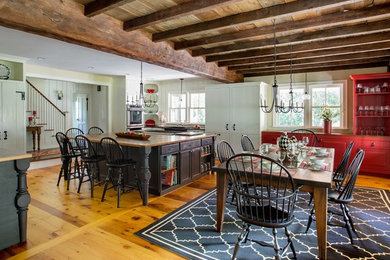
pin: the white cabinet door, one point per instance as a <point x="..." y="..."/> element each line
<point x="244" y="108"/>
<point x="13" y="119"/>
<point x="217" y="110"/>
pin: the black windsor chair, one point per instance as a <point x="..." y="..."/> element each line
<point x="71" y="133"/>
<point x="300" y="133"/>
<point x="247" y="144"/>
<point x="95" y="130"/>
<point x="344" y="195"/>
<point x="224" y="152"/>
<point x="67" y="156"/>
<point x="268" y="202"/>
<point x="90" y="157"/>
<point x="115" y="160"/>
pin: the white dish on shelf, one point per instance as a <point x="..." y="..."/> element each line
<point x="151" y="97"/>
<point x="151" y="110"/>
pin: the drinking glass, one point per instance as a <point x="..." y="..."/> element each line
<point x="305" y="140"/>
<point x="359" y="88"/>
<point x="386" y="111"/>
<point x="360" y="111"/>
<point x="372" y="110"/>
<point x="280" y="156"/>
<point x="366" y="110"/>
<point x="290" y="156"/>
<point x="385" y="87"/>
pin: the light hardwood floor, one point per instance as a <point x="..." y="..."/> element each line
<point x="67" y="225"/>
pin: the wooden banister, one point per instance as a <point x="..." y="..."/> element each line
<point x="48" y="100"/>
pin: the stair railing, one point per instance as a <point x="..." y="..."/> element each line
<point x="49" y="115"/>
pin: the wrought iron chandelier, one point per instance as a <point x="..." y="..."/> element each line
<point x="279" y="106"/>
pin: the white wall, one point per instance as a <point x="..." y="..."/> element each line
<point x="117" y="103"/>
<point x="316" y="77"/>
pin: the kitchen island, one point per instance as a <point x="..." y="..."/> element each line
<point x="166" y="161"/>
<point x="14" y="197"/>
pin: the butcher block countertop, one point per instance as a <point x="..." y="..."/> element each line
<point x="155" y="139"/>
<point x="7" y="155"/>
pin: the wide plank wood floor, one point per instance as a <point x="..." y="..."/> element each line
<point x="67" y="225"/>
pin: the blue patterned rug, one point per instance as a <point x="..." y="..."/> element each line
<point x="190" y="230"/>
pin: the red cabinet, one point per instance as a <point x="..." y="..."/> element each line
<point x="377" y="149"/>
<point x="371" y="104"/>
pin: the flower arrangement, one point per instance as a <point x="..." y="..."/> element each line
<point x="327" y="114"/>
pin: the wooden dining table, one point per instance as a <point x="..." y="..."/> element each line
<point x="316" y="182"/>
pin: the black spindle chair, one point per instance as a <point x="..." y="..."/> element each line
<point x="341" y="170"/>
<point x="224" y="152"/>
<point x="247" y="144"/>
<point x="67" y="155"/>
<point x="90" y="158"/>
<point x="300" y="133"/>
<point x="95" y="130"/>
<point x="344" y="195"/>
<point x="115" y="160"/>
<point x="71" y="133"/>
<point x="268" y="202"/>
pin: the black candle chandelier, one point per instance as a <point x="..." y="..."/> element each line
<point x="142" y="101"/>
<point x="279" y="106"/>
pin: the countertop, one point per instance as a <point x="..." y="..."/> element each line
<point x="8" y="155"/>
<point x="156" y="139"/>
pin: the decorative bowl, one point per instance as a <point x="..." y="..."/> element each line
<point x="131" y="135"/>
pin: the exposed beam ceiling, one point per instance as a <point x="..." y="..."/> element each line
<point x="332" y="19"/>
<point x="187" y="8"/>
<point x="248" y="17"/>
<point x="219" y="39"/>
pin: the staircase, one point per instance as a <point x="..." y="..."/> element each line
<point x="48" y="114"/>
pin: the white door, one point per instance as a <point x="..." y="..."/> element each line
<point x="12" y="116"/>
<point x="80" y="111"/>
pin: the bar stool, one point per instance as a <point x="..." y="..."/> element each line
<point x="95" y="130"/>
<point x="90" y="158"/>
<point x="115" y="160"/>
<point x="67" y="155"/>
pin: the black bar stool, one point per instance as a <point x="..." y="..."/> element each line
<point x="90" y="158"/>
<point x="67" y="155"/>
<point x="115" y="160"/>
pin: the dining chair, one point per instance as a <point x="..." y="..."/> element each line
<point x="95" y="130"/>
<point x="116" y="160"/>
<point x="67" y="156"/>
<point x="269" y="201"/>
<point x="247" y="144"/>
<point x="90" y="158"/>
<point x="343" y="195"/>
<point x="224" y="152"/>
<point x="71" y="133"/>
<point x="300" y="133"/>
<point x="341" y="170"/>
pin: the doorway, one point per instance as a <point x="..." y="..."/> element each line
<point x="80" y="111"/>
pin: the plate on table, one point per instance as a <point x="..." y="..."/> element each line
<point x="316" y="169"/>
<point x="132" y="136"/>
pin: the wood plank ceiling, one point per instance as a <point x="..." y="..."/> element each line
<point x="238" y="35"/>
<point x="311" y="35"/>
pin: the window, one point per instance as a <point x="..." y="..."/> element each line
<point x="191" y="108"/>
<point x="323" y="94"/>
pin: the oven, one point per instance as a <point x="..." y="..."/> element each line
<point x="134" y="118"/>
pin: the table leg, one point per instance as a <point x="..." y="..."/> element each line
<point x="144" y="174"/>
<point x="33" y="135"/>
<point x="221" y="198"/>
<point x="39" y="141"/>
<point x="321" y="210"/>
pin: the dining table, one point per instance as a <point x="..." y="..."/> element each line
<point x="312" y="180"/>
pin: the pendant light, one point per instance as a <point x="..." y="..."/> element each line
<point x="279" y="106"/>
<point x="141" y="101"/>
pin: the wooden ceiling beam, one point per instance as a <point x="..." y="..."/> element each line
<point x="321" y="69"/>
<point x="187" y="8"/>
<point x="334" y="33"/>
<point x="100" y="6"/>
<point x="320" y="65"/>
<point x="275" y="11"/>
<point x="333" y="19"/>
<point x="314" y="58"/>
<point x="65" y="20"/>
<point x="245" y="56"/>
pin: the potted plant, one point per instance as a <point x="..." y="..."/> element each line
<point x="327" y="115"/>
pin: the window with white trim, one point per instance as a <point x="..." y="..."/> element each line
<point x="190" y="109"/>
<point x="322" y="94"/>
